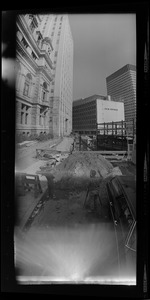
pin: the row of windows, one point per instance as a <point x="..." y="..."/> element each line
<point x="84" y="118"/>
<point x="86" y="109"/>
<point x="121" y="93"/>
<point x="129" y="104"/>
<point x="121" y="89"/>
<point x="127" y="100"/>
<point x="121" y="96"/>
<point x="126" y="83"/>
<point x="27" y="85"/>
<point x="121" y="77"/>
<point x="87" y="106"/>
<point x="123" y="85"/>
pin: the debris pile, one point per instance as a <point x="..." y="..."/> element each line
<point x="81" y="163"/>
<point x="75" y="170"/>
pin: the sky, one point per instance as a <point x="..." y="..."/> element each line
<point x="103" y="43"/>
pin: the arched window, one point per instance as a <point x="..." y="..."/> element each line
<point x="45" y="85"/>
<point x="27" y="84"/>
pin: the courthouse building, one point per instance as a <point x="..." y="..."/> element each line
<point x="44" y="81"/>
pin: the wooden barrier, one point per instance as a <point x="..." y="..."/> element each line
<point x="26" y="180"/>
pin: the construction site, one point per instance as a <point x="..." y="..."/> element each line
<point x="62" y="203"/>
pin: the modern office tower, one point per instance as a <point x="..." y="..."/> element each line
<point x="44" y="83"/>
<point x="121" y="86"/>
<point x="96" y="109"/>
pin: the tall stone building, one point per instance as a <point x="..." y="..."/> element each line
<point x="121" y="86"/>
<point x="44" y="81"/>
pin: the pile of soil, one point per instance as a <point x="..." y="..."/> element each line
<point x="75" y="170"/>
<point x="81" y="163"/>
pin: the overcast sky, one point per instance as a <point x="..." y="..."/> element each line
<point x="103" y="43"/>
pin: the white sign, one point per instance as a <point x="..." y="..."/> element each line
<point x="109" y="111"/>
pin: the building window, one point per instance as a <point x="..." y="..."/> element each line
<point x="39" y="38"/>
<point x="32" y="26"/>
<point x="23" y="41"/>
<point x="52" y="90"/>
<point x="26" y="118"/>
<point x="56" y="52"/>
<point x="26" y="89"/>
<point x="33" y="23"/>
<point x="22" y="114"/>
<point x="27" y="84"/>
<point x="40" y="120"/>
<point x="49" y="50"/>
<point x="44" y="91"/>
<point x="33" y="55"/>
<point x="43" y="95"/>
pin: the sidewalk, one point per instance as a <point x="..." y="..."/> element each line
<point x="27" y="204"/>
<point x="65" y="145"/>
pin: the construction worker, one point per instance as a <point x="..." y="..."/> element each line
<point x="92" y="192"/>
<point x="50" y="184"/>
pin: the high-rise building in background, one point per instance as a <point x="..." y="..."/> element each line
<point x="121" y="86"/>
<point x="44" y="82"/>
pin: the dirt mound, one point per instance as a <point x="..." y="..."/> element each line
<point x="81" y="163"/>
<point x="74" y="172"/>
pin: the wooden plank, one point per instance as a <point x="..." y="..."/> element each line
<point x="106" y="152"/>
<point x="112" y="152"/>
<point x="114" y="157"/>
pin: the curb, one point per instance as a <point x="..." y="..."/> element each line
<point x="40" y="205"/>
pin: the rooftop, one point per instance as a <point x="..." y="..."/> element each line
<point x="119" y="72"/>
<point x="88" y="99"/>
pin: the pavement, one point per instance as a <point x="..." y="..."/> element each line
<point x="26" y="162"/>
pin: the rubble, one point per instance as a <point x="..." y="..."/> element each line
<point x="79" y="164"/>
<point x="74" y="171"/>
